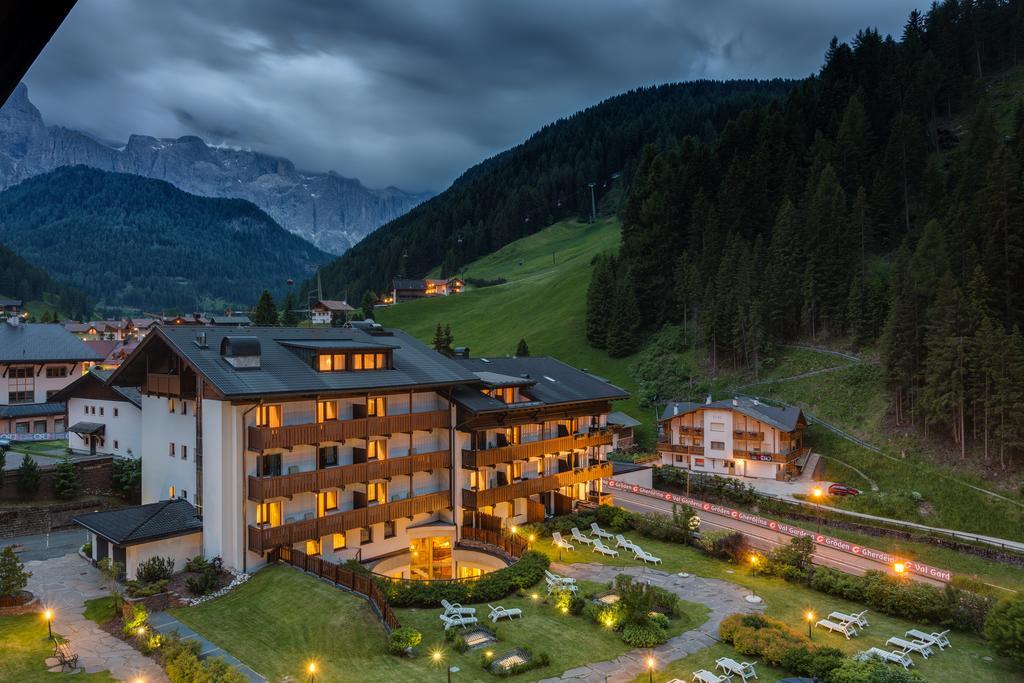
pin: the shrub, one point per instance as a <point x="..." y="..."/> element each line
<point x="402" y="639"/>
<point x="181" y="661"/>
<point x="28" y="476"/>
<point x="1004" y="627"/>
<point x="763" y="636"/>
<point x="196" y="564"/>
<point x="727" y="545"/>
<point x="870" y="671"/>
<point x="203" y="583"/>
<point x="834" y="582"/>
<point x="66" y="483"/>
<point x="660" y="620"/>
<point x="87" y="549"/>
<point x="643" y="635"/>
<point x="127" y="475"/>
<point x="637" y="599"/>
<point x="141" y="589"/>
<point x="665" y="601"/>
<point x="13" y="577"/>
<point x="155" y="569"/>
<point x="135" y="617"/>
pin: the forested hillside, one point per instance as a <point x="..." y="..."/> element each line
<point x="541" y="181"/>
<point x="19" y="279"/>
<point x="877" y="201"/>
<point x="130" y="241"/>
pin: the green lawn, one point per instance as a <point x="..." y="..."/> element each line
<point x="260" y="624"/>
<point x="37" y="447"/>
<point x="100" y="610"/>
<point x="964" y="662"/>
<point x="24" y="646"/>
<point x="544" y="301"/>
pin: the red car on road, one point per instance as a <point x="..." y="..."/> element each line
<point x="842" y="490"/>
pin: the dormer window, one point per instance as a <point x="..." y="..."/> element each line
<point x="340" y="362"/>
<point x="331" y="362"/>
<point x="504" y="394"/>
<point x="369" y="361"/>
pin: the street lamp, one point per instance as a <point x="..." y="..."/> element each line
<point x="48" y="615"/>
<point x="900" y="569"/>
<point x="818" y="493"/>
<point x="650" y="669"/>
<point x="809" y="616"/>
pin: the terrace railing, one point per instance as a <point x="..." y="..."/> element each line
<point x="528" y="487"/>
<point x="480" y="457"/>
<point x="307" y="433"/>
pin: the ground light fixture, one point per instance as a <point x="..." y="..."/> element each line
<point x="650" y="669"/>
<point x="900" y="569"/>
<point x="48" y="616"/>
<point x="311" y="670"/>
<point x="809" y="616"/>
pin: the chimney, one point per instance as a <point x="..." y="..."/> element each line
<point x="756" y="402"/>
<point x="462" y="351"/>
<point x="675" y="408"/>
<point x="707" y="400"/>
<point x="201" y="340"/>
<point x="735" y="402"/>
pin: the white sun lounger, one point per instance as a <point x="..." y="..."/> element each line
<point x="858" y="619"/>
<point x="600" y="547"/>
<point x="901" y="658"/>
<point x="457" y="609"/>
<point x="555" y="577"/>
<point x="450" y="621"/>
<point x="847" y="629"/>
<point x="561" y="542"/>
<point x="640" y="554"/>
<point x="595" y="530"/>
<point x="705" y="676"/>
<point x="744" y="670"/>
<point x="919" y="646"/>
<point x="555" y="585"/>
<point x="499" y="612"/>
<point x="623" y="542"/>
<point x="578" y="536"/>
<point x="938" y="639"/>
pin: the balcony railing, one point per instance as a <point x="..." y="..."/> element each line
<point x="680" y="448"/>
<point x="528" y="487"/>
<point x="748" y="436"/>
<point x="476" y="458"/>
<point x="691" y="429"/>
<point x="768" y="457"/>
<point x="264" y="538"/>
<point x="262" y="438"/>
<point x="262" y="488"/>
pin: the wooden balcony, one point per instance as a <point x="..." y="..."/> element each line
<point x="691" y="429"/>
<point x="262" y="488"/>
<point x="162" y="384"/>
<point x="262" y="438"/>
<point x="748" y="436"/>
<point x="762" y="456"/>
<point x="681" y="449"/>
<point x="476" y="458"/>
<point x="528" y="487"/>
<point x="265" y="538"/>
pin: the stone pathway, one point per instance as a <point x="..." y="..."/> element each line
<point x="162" y="622"/>
<point x="721" y="597"/>
<point x="63" y="584"/>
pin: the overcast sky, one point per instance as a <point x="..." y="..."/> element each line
<point x="407" y="93"/>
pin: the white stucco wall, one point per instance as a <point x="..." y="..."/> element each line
<point x="160" y="471"/>
<point x="124" y="428"/>
<point x="178" y="547"/>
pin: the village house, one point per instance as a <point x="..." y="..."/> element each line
<point x="408" y="289"/>
<point x="741" y="436"/>
<point x="324" y="311"/>
<point x="10" y="307"/>
<point x="37" y="360"/>
<point x="102" y="419"/>
<point x="351" y="443"/>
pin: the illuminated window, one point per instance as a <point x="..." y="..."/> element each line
<point x="324" y="362"/>
<point x="338" y="541"/>
<point x="377" y="449"/>
<point x="170" y="492"/>
<point x="369" y="361"/>
<point x="268" y="514"/>
<point x="513" y="435"/>
<point x="377" y="492"/>
<point x="517" y="469"/>
<point x="364" y="536"/>
<point x="268" y="416"/>
<point x="339" y="361"/>
<point x="326" y="501"/>
<point x="474" y="480"/>
<point x="376" y="407"/>
<point x="312" y="547"/>
<point x="505" y="394"/>
<point x="698" y="462"/>
<point x="326" y="410"/>
<point x="171" y="405"/>
<point x="430" y="558"/>
<point x="470" y="572"/>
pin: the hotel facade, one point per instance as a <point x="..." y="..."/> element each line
<point x="354" y="443"/>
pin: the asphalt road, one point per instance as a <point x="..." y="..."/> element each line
<point x="47" y="546"/>
<point x="762" y="539"/>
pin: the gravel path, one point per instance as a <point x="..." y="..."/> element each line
<point x="721" y="597"/>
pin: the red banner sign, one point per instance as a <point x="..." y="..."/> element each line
<point x="782" y="528"/>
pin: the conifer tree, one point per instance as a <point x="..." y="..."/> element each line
<point x="944" y="394"/>
<point x="289" y="318"/>
<point x="624" y="326"/>
<point x="367" y="304"/>
<point x="265" y="314"/>
<point x="66" y="483"/>
<point x="28" y="476"/>
<point x="522" y="349"/>
<point x="600" y="296"/>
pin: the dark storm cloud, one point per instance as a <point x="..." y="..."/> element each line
<point x="406" y="93"/>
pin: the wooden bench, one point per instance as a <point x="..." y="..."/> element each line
<point x="67" y="658"/>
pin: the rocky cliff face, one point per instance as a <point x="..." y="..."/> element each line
<point x="329" y="210"/>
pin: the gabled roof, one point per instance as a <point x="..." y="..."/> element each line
<point x="103" y="347"/>
<point x="284" y="372"/>
<point x="620" y="419"/>
<point x="144" y="322"/>
<point x="10" y="302"/>
<point x="31" y="410"/>
<point x="786" y="418"/>
<point x="554" y="383"/>
<point x="333" y="305"/>
<point x="128" y="394"/>
<point x="142" y="523"/>
<point x="408" y="283"/>
<point x="337" y="344"/>
<point x="230" y="320"/>
<point x="41" y="342"/>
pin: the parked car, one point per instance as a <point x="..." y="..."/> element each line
<point x="842" y="490"/>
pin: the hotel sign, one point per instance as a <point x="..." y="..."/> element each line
<point x="783" y="528"/>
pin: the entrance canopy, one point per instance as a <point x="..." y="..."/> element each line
<point x="87" y="428"/>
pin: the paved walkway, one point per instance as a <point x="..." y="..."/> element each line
<point x="45" y="546"/>
<point x="63" y="584"/>
<point x="721" y="597"/>
<point x="163" y="622"/>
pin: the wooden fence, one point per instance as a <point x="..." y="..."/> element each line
<point x="353" y="581"/>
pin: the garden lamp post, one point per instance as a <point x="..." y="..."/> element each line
<point x="809" y="616"/>
<point x="48" y="615"/>
<point x="311" y="670"/>
<point x="900" y="569"/>
<point x="650" y="670"/>
<point x="817" y="493"/>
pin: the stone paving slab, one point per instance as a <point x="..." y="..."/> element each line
<point x="721" y="597"/>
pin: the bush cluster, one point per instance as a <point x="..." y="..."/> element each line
<point x="725" y="545"/>
<point x="181" y="661"/>
<point x="707" y="486"/>
<point x="773" y="640"/>
<point x="489" y="587"/>
<point x="141" y="589"/>
<point x="403" y="638"/>
<point x="538" y="662"/>
<point x="1005" y="627"/>
<point x="155" y="569"/>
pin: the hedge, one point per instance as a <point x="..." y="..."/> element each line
<point x="528" y="571"/>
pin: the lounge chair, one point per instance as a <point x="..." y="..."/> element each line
<point x="859" y="620"/>
<point x="640" y="554"/>
<point x="705" y="676"/>
<point x="921" y="647"/>
<point x="499" y="612"/>
<point x="623" y="542"/>
<point x="578" y="536"/>
<point x="554" y="586"/>
<point x="561" y="542"/>
<point x="744" y="670"/>
<point x="901" y="658"/>
<point x="462" y="621"/>
<point x="456" y="609"/>
<point x="560" y="579"/>
<point x="600" y="547"/>
<point x="940" y="640"/>
<point x="847" y="629"/>
<point x="595" y="530"/>
<point x="65" y="655"/>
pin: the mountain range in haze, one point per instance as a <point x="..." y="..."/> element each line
<point x="329" y="210"/>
